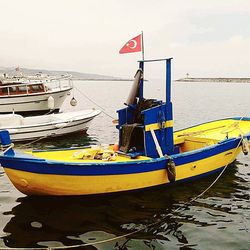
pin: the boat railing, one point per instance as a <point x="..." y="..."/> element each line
<point x="29" y="88"/>
<point x="35" y="86"/>
<point x="62" y="81"/>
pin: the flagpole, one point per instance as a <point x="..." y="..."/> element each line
<point x="141" y="66"/>
<point x="142" y="43"/>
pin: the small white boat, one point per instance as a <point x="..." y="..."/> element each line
<point x="33" y="127"/>
<point x="32" y="94"/>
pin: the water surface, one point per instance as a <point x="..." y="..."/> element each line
<point x="219" y="219"/>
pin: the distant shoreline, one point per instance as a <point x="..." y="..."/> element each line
<point x="215" y="79"/>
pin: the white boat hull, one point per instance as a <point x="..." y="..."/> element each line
<point x="33" y="102"/>
<point x="64" y="123"/>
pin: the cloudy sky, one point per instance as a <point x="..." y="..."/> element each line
<point x="205" y="38"/>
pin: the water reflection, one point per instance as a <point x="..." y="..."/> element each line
<point x="51" y="221"/>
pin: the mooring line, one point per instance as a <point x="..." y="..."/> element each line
<point x="103" y="110"/>
<point x="68" y="122"/>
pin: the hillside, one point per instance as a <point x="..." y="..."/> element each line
<point x="75" y="75"/>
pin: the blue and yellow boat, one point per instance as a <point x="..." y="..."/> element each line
<point x="149" y="152"/>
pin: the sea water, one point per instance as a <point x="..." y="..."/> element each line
<point x="220" y="219"/>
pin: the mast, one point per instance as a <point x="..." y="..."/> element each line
<point x="142" y="45"/>
<point x="169" y="109"/>
<point x="141" y="66"/>
<point x="167" y="144"/>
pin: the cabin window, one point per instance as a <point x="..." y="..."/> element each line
<point x="36" y="88"/>
<point x="5" y="90"/>
<point x="13" y="90"/>
<point x="22" y="88"/>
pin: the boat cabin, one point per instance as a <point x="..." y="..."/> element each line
<point x="21" y="89"/>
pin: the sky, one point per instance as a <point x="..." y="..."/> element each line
<point x="206" y="38"/>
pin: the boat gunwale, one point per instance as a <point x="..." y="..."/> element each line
<point x="240" y="118"/>
<point x="42" y="166"/>
<point x="23" y="156"/>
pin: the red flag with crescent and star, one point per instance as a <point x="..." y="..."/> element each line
<point x="133" y="45"/>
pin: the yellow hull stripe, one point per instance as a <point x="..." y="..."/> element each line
<point x="155" y="126"/>
<point x="50" y="184"/>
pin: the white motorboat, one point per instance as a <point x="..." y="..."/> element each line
<point x="33" y="94"/>
<point x="52" y="125"/>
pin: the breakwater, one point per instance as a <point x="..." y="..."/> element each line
<point x="215" y="79"/>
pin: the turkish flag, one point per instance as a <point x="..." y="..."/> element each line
<point x="133" y="45"/>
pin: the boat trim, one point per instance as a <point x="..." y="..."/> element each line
<point x="155" y="126"/>
<point x="68" y="122"/>
<point x="43" y="166"/>
<point x="31" y="95"/>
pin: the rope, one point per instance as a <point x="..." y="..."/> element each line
<point x="7" y="149"/>
<point x="49" y="112"/>
<point x="159" y="221"/>
<point x="103" y="110"/>
<point x="36" y="140"/>
<point x="43" y="137"/>
<point x="217" y="178"/>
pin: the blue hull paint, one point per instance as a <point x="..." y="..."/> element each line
<point x="31" y="164"/>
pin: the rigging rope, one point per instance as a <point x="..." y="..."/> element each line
<point x="103" y="110"/>
<point x="43" y="137"/>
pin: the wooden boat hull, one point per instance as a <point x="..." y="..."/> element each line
<point x="37" y="176"/>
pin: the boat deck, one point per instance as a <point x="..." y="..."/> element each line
<point x="81" y="156"/>
<point x="218" y="130"/>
